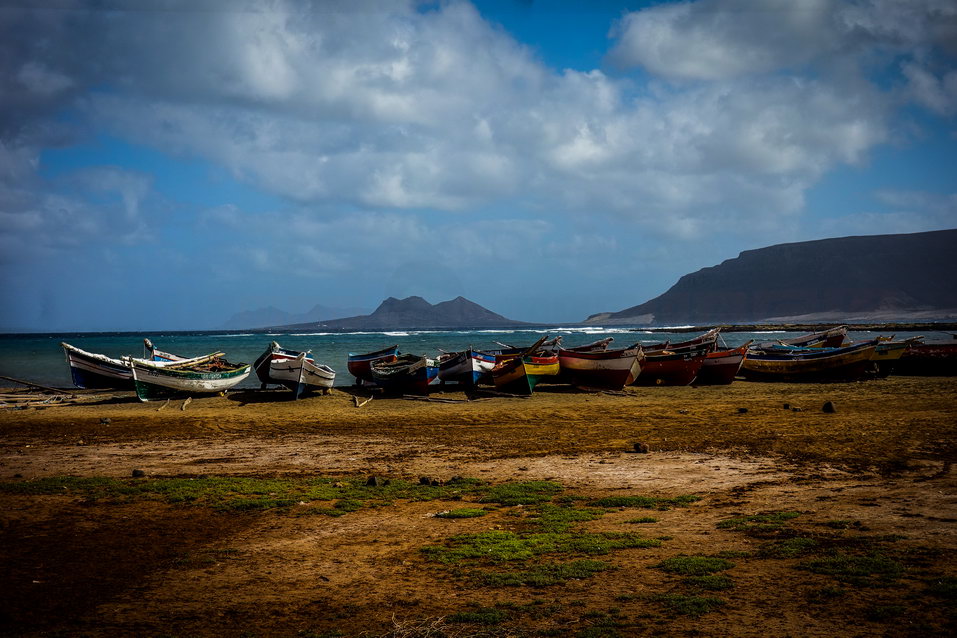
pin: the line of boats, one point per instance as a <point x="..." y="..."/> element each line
<point x="820" y="356"/>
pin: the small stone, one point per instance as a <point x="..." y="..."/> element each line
<point x="642" y="448"/>
<point x="138" y="473"/>
<point x="105" y="421"/>
<point x="425" y="480"/>
<point x="374" y="481"/>
<point x="436" y="483"/>
<point x="682" y="412"/>
<point x="787" y="406"/>
<point x="742" y="410"/>
<point x="828" y="407"/>
<point x="18" y="475"/>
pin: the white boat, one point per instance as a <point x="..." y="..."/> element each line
<point x="467" y="367"/>
<point x="208" y="375"/>
<point x="301" y="373"/>
<point x="92" y="370"/>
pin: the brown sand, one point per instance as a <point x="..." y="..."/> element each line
<point x="882" y="463"/>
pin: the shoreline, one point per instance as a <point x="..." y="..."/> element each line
<point x="811" y="327"/>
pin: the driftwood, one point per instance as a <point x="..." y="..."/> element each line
<point x="36" y="385"/>
<point x="185" y="403"/>
<point x="163" y="406"/>
<point x="356" y="399"/>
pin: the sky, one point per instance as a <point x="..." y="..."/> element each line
<point x="166" y="164"/>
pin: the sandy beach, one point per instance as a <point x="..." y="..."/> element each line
<point x="763" y="514"/>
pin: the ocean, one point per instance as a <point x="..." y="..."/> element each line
<point x="39" y="357"/>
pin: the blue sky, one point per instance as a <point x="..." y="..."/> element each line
<point x="166" y="164"/>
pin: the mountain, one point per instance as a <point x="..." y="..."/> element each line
<point x="415" y="313"/>
<point x="272" y="316"/>
<point x="879" y="277"/>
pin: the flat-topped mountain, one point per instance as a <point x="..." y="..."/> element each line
<point x="415" y="313"/>
<point x="879" y="276"/>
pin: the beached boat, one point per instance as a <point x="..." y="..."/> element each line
<point x="91" y="370"/>
<point x="888" y="353"/>
<point x="359" y="365"/>
<point x="707" y="341"/>
<point x="825" y="364"/>
<point x="929" y="360"/>
<point x="672" y="368"/>
<point x="520" y="375"/>
<point x="606" y="369"/>
<point x="406" y="373"/>
<point x="467" y="367"/>
<point x="293" y="369"/>
<point x="210" y="374"/>
<point x="828" y="338"/>
<point x="722" y="366"/>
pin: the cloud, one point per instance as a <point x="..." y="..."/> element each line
<point x="906" y="212"/>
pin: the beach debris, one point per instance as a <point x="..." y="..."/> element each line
<point x="30" y="384"/>
<point x="416" y="397"/>
<point x="163" y="406"/>
<point x="787" y="406"/>
<point x="138" y="473"/>
<point x="355" y="398"/>
<point x="185" y="403"/>
<point x="742" y="410"/>
<point x="642" y="448"/>
<point x="828" y="407"/>
<point x="105" y="421"/>
<point x="797" y="410"/>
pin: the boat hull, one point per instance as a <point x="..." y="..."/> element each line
<point x="608" y="370"/>
<point x="521" y="375"/>
<point x="96" y="371"/>
<point x="360" y="365"/>
<point x="679" y="369"/>
<point x="845" y="364"/>
<point x="468" y="367"/>
<point x="720" y="368"/>
<point x="301" y="374"/>
<point x="153" y="382"/>
<point x="928" y="359"/>
<point x="408" y="374"/>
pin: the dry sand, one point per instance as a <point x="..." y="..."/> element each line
<point x="874" y="479"/>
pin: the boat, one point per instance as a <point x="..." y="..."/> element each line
<point x="605" y="369"/>
<point x="828" y="338"/>
<point x="520" y="375"/>
<point x="888" y="353"/>
<point x="825" y="364"/>
<point x="722" y="366"/>
<point x="672" y="368"/>
<point x="928" y="359"/>
<point x="210" y="374"/>
<point x="467" y="367"/>
<point x="293" y="369"/>
<point x="89" y="370"/>
<point x="359" y="365"/>
<point x="405" y="373"/>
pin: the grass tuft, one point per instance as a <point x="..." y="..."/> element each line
<point x="790" y="548"/>
<point x="710" y="582"/>
<point x="694" y="565"/>
<point x="545" y="575"/>
<point x="873" y="570"/>
<point x="693" y="606"/>
<point x="759" y="523"/>
<point x="646" y="502"/>
<point x="499" y="546"/>
<point x="527" y="493"/>
<point x="462" y="512"/>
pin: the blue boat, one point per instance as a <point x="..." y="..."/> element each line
<point x="467" y="367"/>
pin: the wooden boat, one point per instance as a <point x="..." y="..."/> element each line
<point x="829" y="338"/>
<point x="205" y="375"/>
<point x="595" y="346"/>
<point x="671" y="368"/>
<point x="827" y="364"/>
<point x="707" y="341"/>
<point x="606" y="369"/>
<point x="406" y="373"/>
<point x="722" y="366"/>
<point x="520" y="375"/>
<point x="359" y="365"/>
<point x="91" y="370"/>
<point x="293" y="369"/>
<point x="467" y="367"/>
<point x="888" y="353"/>
<point x="929" y="360"/>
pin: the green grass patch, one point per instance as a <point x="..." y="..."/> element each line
<point x="552" y="518"/>
<point x="646" y="502"/>
<point x="710" y="582"/>
<point x="789" y="548"/>
<point x="500" y="546"/>
<point x="873" y="570"/>
<point x="642" y="519"/>
<point x="759" y="523"/>
<point x="694" y="565"/>
<point x="480" y="616"/>
<point x="544" y="575"/>
<point x="462" y="512"/>
<point x="526" y="493"/>
<point x="686" y="605"/>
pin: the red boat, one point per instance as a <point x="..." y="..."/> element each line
<point x="607" y="369"/>
<point x="721" y="367"/>
<point x="671" y="368"/>
<point x="359" y="365"/>
<point x="929" y="360"/>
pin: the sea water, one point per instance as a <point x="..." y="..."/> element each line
<point x="40" y="359"/>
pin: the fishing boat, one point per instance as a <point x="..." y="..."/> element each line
<point x="605" y="369"/>
<point x="405" y="373"/>
<point x="210" y="374"/>
<point x="825" y="364"/>
<point x="520" y="375"/>
<point x="671" y="368"/>
<point x="98" y="371"/>
<point x="722" y="366"/>
<point x="467" y="367"/>
<point x="828" y="338"/>
<point x="293" y="369"/>
<point x="359" y="365"/>
<point x="928" y="359"/>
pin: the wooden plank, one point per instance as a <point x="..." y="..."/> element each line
<point x="35" y="385"/>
